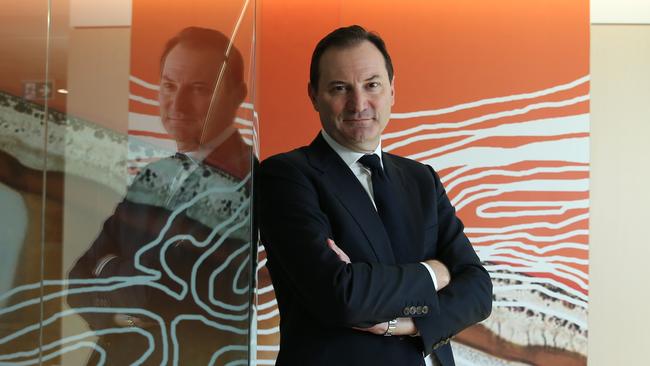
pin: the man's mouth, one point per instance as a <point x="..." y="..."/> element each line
<point x="181" y="119"/>
<point x="357" y="120"/>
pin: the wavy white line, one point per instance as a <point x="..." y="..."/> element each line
<point x="480" y="119"/>
<point x="495" y="100"/>
<point x="514" y="276"/>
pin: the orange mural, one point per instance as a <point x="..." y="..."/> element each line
<point x="494" y="95"/>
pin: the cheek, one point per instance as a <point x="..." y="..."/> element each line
<point x="164" y="103"/>
<point x="202" y="104"/>
<point x="333" y="109"/>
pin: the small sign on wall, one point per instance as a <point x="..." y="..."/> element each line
<point x="37" y="90"/>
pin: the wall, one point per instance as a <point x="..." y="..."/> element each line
<point x="619" y="248"/>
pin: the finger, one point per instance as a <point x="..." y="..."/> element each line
<point x="339" y="252"/>
<point x="333" y="247"/>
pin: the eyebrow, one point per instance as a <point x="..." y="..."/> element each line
<point x="338" y="82"/>
<point x="167" y="78"/>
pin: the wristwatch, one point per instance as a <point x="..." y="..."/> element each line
<point x="392" y="324"/>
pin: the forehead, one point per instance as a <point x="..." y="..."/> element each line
<point x="360" y="61"/>
<point x="190" y="60"/>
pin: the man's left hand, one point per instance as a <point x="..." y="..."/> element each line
<point x="405" y="326"/>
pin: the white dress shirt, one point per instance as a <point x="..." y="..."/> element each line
<point x="364" y="175"/>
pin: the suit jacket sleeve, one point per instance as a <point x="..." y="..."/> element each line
<point x="294" y="230"/>
<point x="468" y="297"/>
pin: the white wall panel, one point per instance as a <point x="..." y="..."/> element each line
<point x="100" y="13"/>
<point x="620" y="11"/>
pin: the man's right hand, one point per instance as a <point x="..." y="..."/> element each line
<point x="442" y="273"/>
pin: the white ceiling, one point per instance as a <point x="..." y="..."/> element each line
<point x="620" y="11"/>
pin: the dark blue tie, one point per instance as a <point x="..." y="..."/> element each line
<point x="388" y="205"/>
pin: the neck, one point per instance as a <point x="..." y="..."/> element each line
<point x="367" y="147"/>
<point x="233" y="156"/>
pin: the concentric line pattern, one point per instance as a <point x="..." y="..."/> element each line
<point x="215" y="311"/>
<point x="516" y="168"/>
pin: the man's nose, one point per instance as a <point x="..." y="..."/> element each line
<point x="182" y="100"/>
<point x="357" y="101"/>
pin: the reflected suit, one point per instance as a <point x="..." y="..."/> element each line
<point x="192" y="298"/>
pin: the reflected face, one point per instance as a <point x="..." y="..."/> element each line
<point x="187" y="83"/>
<point x="354" y="95"/>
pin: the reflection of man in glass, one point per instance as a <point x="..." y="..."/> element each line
<point x="197" y="85"/>
<point x="187" y="90"/>
<point x="168" y="276"/>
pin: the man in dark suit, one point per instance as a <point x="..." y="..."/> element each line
<point x="178" y="246"/>
<point x="369" y="262"/>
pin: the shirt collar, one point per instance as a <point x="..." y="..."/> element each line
<point x="199" y="155"/>
<point x="349" y="156"/>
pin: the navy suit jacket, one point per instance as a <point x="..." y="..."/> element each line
<point x="309" y="195"/>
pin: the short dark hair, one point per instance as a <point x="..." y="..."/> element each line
<point x="342" y="38"/>
<point x="205" y="38"/>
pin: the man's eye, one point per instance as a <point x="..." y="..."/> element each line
<point x="373" y="84"/>
<point x="168" y="86"/>
<point x="201" y="90"/>
<point x="339" y="88"/>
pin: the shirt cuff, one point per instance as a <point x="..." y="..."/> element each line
<point x="433" y="275"/>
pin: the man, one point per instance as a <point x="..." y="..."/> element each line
<point x="176" y="247"/>
<point x="201" y="89"/>
<point x="369" y="262"/>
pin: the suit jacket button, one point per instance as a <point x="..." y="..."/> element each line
<point x="412" y="310"/>
<point x="418" y="310"/>
<point x="425" y="309"/>
<point x="406" y="311"/>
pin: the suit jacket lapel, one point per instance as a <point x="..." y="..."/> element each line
<point x="340" y="179"/>
<point x="413" y="247"/>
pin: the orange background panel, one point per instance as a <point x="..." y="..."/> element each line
<point x="444" y="53"/>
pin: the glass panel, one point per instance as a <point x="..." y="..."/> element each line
<point x="147" y="209"/>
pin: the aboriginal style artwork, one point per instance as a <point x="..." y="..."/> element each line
<point x="494" y="96"/>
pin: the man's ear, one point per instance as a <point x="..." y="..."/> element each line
<point x="312" y="96"/>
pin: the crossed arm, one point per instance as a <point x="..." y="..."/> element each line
<point x="366" y="294"/>
<point x="405" y="326"/>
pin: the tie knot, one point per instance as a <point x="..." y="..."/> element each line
<point x="371" y="161"/>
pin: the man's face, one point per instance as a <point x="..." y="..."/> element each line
<point x="354" y="95"/>
<point x="187" y="83"/>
